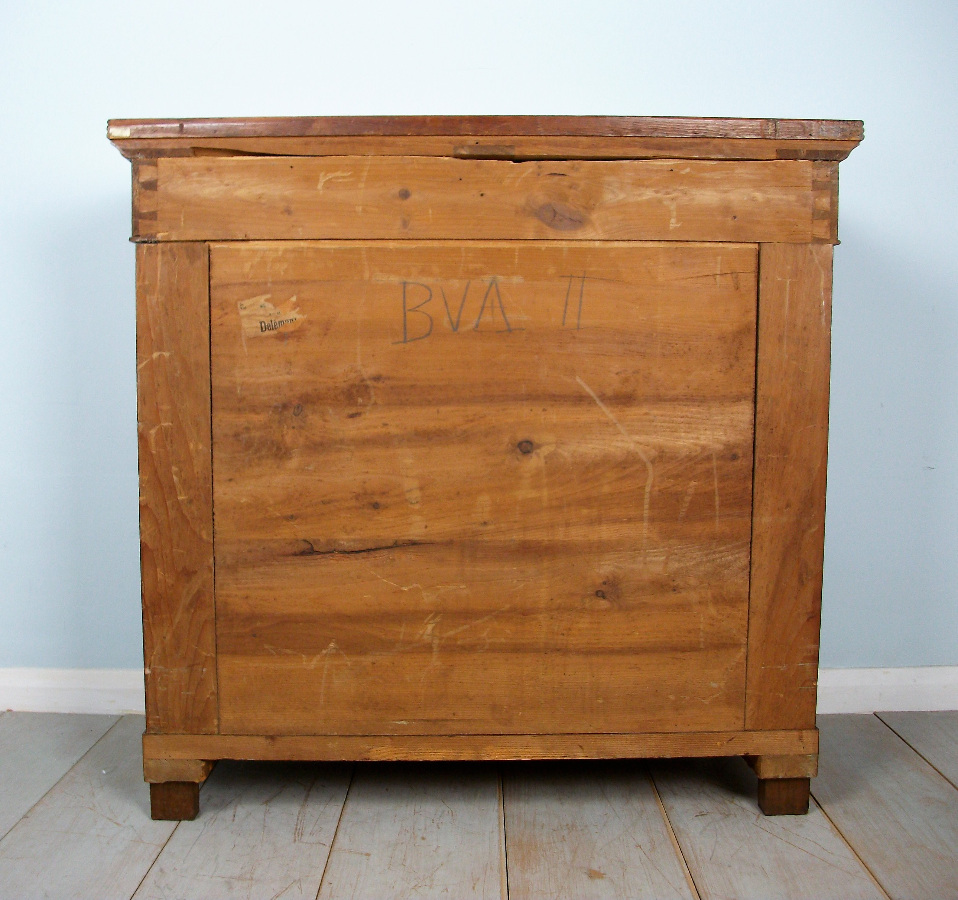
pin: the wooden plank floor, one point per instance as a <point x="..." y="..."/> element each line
<point x="74" y="823"/>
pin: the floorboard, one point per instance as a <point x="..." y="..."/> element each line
<point x="883" y="823"/>
<point x="264" y="831"/>
<point x="36" y="751"/>
<point x="735" y="852"/>
<point x="91" y="836"/>
<point x="588" y="831"/>
<point x="418" y="831"/>
<point x="899" y="814"/>
<point x="934" y="735"/>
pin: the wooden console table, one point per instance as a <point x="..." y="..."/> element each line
<point x="482" y="438"/>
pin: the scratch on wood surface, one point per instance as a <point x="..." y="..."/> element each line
<point x="686" y="500"/>
<point x="477" y="622"/>
<point x="788" y="288"/>
<point x="331" y="648"/>
<point x="359" y="333"/>
<point x="151" y="434"/>
<point x="673" y="216"/>
<point x="182" y="491"/>
<point x="402" y="587"/>
<point x="635" y="446"/>
<point x="822" y="287"/>
<point x="716" y="486"/>
<point x="331" y="176"/>
<point x="359" y="338"/>
<point x="802" y="847"/>
<point x="362" y="184"/>
<point x="429" y="626"/>
<point x="153" y="357"/>
<point x="410" y="481"/>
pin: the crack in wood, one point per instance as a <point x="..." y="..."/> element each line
<point x="338" y="551"/>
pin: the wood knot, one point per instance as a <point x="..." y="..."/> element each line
<point x="526" y="447"/>
<point x="560" y="216"/>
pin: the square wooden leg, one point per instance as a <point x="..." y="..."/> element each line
<point x="175" y="800"/>
<point x="783" y="796"/>
<point x="784" y="782"/>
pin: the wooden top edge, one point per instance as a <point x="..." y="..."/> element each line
<point x="472" y="126"/>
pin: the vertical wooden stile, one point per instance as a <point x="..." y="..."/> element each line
<point x="176" y="512"/>
<point x="791" y="444"/>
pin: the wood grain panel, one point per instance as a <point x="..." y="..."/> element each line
<point x="176" y="514"/>
<point x="373" y="491"/>
<point x="530" y="461"/>
<point x="409" y="198"/>
<point x="443" y="693"/>
<point x="478" y="746"/>
<point x="158" y="771"/>
<point x="791" y="446"/>
<point x="430" y="312"/>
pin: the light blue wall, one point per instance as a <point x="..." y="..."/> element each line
<point x="68" y="495"/>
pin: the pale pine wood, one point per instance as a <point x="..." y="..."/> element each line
<point x="460" y="521"/>
<point x="825" y="202"/>
<point x="934" y="735"/>
<point x="796" y="766"/>
<point x="588" y="832"/>
<point x="243" y="198"/>
<point x="478" y="746"/>
<point x="413" y="831"/>
<point x="160" y="770"/>
<point x="144" y="172"/>
<point x="899" y="814"/>
<point x="176" y="514"/>
<point x="735" y="853"/>
<point x="791" y="447"/>
<point x="254" y="697"/>
<point x="91" y="835"/>
<point x="265" y="831"/>
<point x="36" y="750"/>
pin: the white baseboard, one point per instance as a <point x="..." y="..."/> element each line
<point x="119" y="691"/>
<point x="112" y="691"/>
<point x="923" y="688"/>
